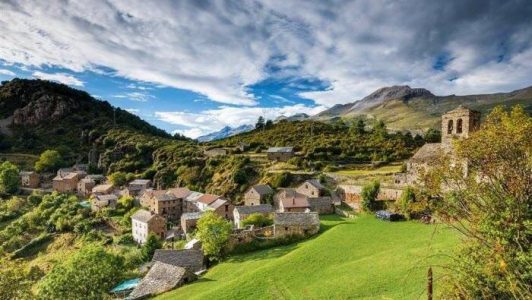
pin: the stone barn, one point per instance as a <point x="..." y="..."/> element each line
<point x="296" y="223"/>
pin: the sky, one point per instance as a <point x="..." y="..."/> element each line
<point x="194" y="67"/>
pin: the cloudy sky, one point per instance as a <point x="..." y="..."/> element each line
<point x="196" y="66"/>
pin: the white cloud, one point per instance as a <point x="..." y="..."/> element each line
<point x="6" y="72"/>
<point x="198" y="124"/>
<point x="135" y="96"/>
<point x="220" y="48"/>
<point x="59" y="77"/>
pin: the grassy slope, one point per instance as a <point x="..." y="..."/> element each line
<point x="360" y="258"/>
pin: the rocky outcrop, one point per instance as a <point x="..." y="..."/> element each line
<point x="46" y="108"/>
<point x="399" y="92"/>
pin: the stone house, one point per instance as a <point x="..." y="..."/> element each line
<point x="240" y="213"/>
<point x="86" y="184"/>
<point x="137" y="186"/>
<point x="146" y="197"/>
<point x="98" y="202"/>
<point x="144" y="222"/>
<point x="296" y="223"/>
<point x="166" y="205"/>
<point x="189" y="220"/>
<point x="288" y="200"/>
<point x="161" y="277"/>
<point x="321" y="205"/>
<point x="257" y="194"/>
<point x="67" y="182"/>
<point x="103" y="189"/>
<point x="223" y="208"/>
<point x="192" y="260"/>
<point x="190" y="203"/>
<point x="280" y="153"/>
<point x="311" y="188"/>
<point x="29" y="179"/>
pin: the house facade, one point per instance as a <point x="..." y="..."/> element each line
<point x="67" y="182"/>
<point x="280" y="153"/>
<point x="29" y="179"/>
<point x="99" y="202"/>
<point x="289" y="200"/>
<point x="296" y="224"/>
<point x="137" y="186"/>
<point x="311" y="188"/>
<point x="189" y="220"/>
<point x="257" y="194"/>
<point x="144" y="222"/>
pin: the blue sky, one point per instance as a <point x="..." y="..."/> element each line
<point x="197" y="66"/>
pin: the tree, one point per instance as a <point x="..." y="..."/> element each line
<point x="153" y="243"/>
<point x="380" y="129"/>
<point x="369" y="195"/>
<point x="126" y="202"/>
<point x="118" y="178"/>
<point x="260" y="123"/>
<point x="213" y="232"/>
<point x="269" y="124"/>
<point x="88" y="274"/>
<point x="258" y="220"/>
<point x="360" y="127"/>
<point x="49" y="161"/>
<point x="9" y="178"/>
<point x="432" y="136"/>
<point x="489" y="204"/>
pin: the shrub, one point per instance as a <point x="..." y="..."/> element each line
<point x="258" y="220"/>
<point x="49" y="161"/>
<point x="369" y="196"/>
<point x="9" y="178"/>
<point x="152" y="243"/>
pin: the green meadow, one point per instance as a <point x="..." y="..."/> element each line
<point x="361" y="258"/>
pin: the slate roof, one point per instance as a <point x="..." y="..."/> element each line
<point x="190" y="259"/>
<point x="292" y="199"/>
<point x="191" y="215"/>
<point x="296" y="218"/>
<point x="26" y="173"/>
<point x="102" y="188"/>
<point x="165" y="197"/>
<point x="142" y="215"/>
<point x="161" y="278"/>
<point x="280" y="149"/>
<point x="208" y="198"/>
<point x="320" y="202"/>
<point x="217" y="203"/>
<point x="428" y="153"/>
<point x="140" y="182"/>
<point x="180" y="193"/>
<point x="262" y="189"/>
<point x="316" y="183"/>
<point x="107" y="197"/>
<point x="194" y="196"/>
<point x="248" y="210"/>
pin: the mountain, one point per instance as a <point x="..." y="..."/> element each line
<point x="296" y="117"/>
<point x="225" y="132"/>
<point x="37" y="115"/>
<point x="406" y="108"/>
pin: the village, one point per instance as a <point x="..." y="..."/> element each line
<point x="172" y="214"/>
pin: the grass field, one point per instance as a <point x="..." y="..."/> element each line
<point x="361" y="258"/>
<point x="389" y="169"/>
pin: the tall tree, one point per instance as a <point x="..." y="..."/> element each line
<point x="260" y="123"/>
<point x="369" y="195"/>
<point x="213" y="232"/>
<point x="49" y="161"/>
<point x="490" y="207"/>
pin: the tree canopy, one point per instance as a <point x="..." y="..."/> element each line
<point x="9" y="178"/>
<point x="213" y="231"/>
<point x="49" y="161"/>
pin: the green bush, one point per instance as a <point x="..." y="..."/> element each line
<point x="369" y="196"/>
<point x="258" y="220"/>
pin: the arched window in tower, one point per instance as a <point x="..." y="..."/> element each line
<point x="450" y="127"/>
<point x="459" y="126"/>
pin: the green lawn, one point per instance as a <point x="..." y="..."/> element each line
<point x="362" y="258"/>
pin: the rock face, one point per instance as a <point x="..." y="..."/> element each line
<point x="45" y="108"/>
<point x="400" y="92"/>
<point x="225" y="132"/>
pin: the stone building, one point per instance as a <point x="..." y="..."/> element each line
<point x="321" y="205"/>
<point x="137" y="186"/>
<point x="311" y="188"/>
<point x="240" y="213"/>
<point x="98" y="202"/>
<point x="86" y="184"/>
<point x="144" y="222"/>
<point x="29" y="179"/>
<point x="288" y="200"/>
<point x="280" y="153"/>
<point x="189" y="220"/>
<point x="103" y="189"/>
<point x="190" y="259"/>
<point x="352" y="195"/>
<point x="296" y="223"/>
<point x="456" y="124"/>
<point x="257" y="194"/>
<point x="67" y="182"/>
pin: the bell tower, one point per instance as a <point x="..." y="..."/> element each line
<point x="458" y="123"/>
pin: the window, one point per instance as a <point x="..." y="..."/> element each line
<point x="450" y="127"/>
<point x="226" y="207"/>
<point x="459" y="126"/>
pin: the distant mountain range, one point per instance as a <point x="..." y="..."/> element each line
<point x="225" y="132"/>
<point x="296" y="117"/>
<point x="406" y="108"/>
